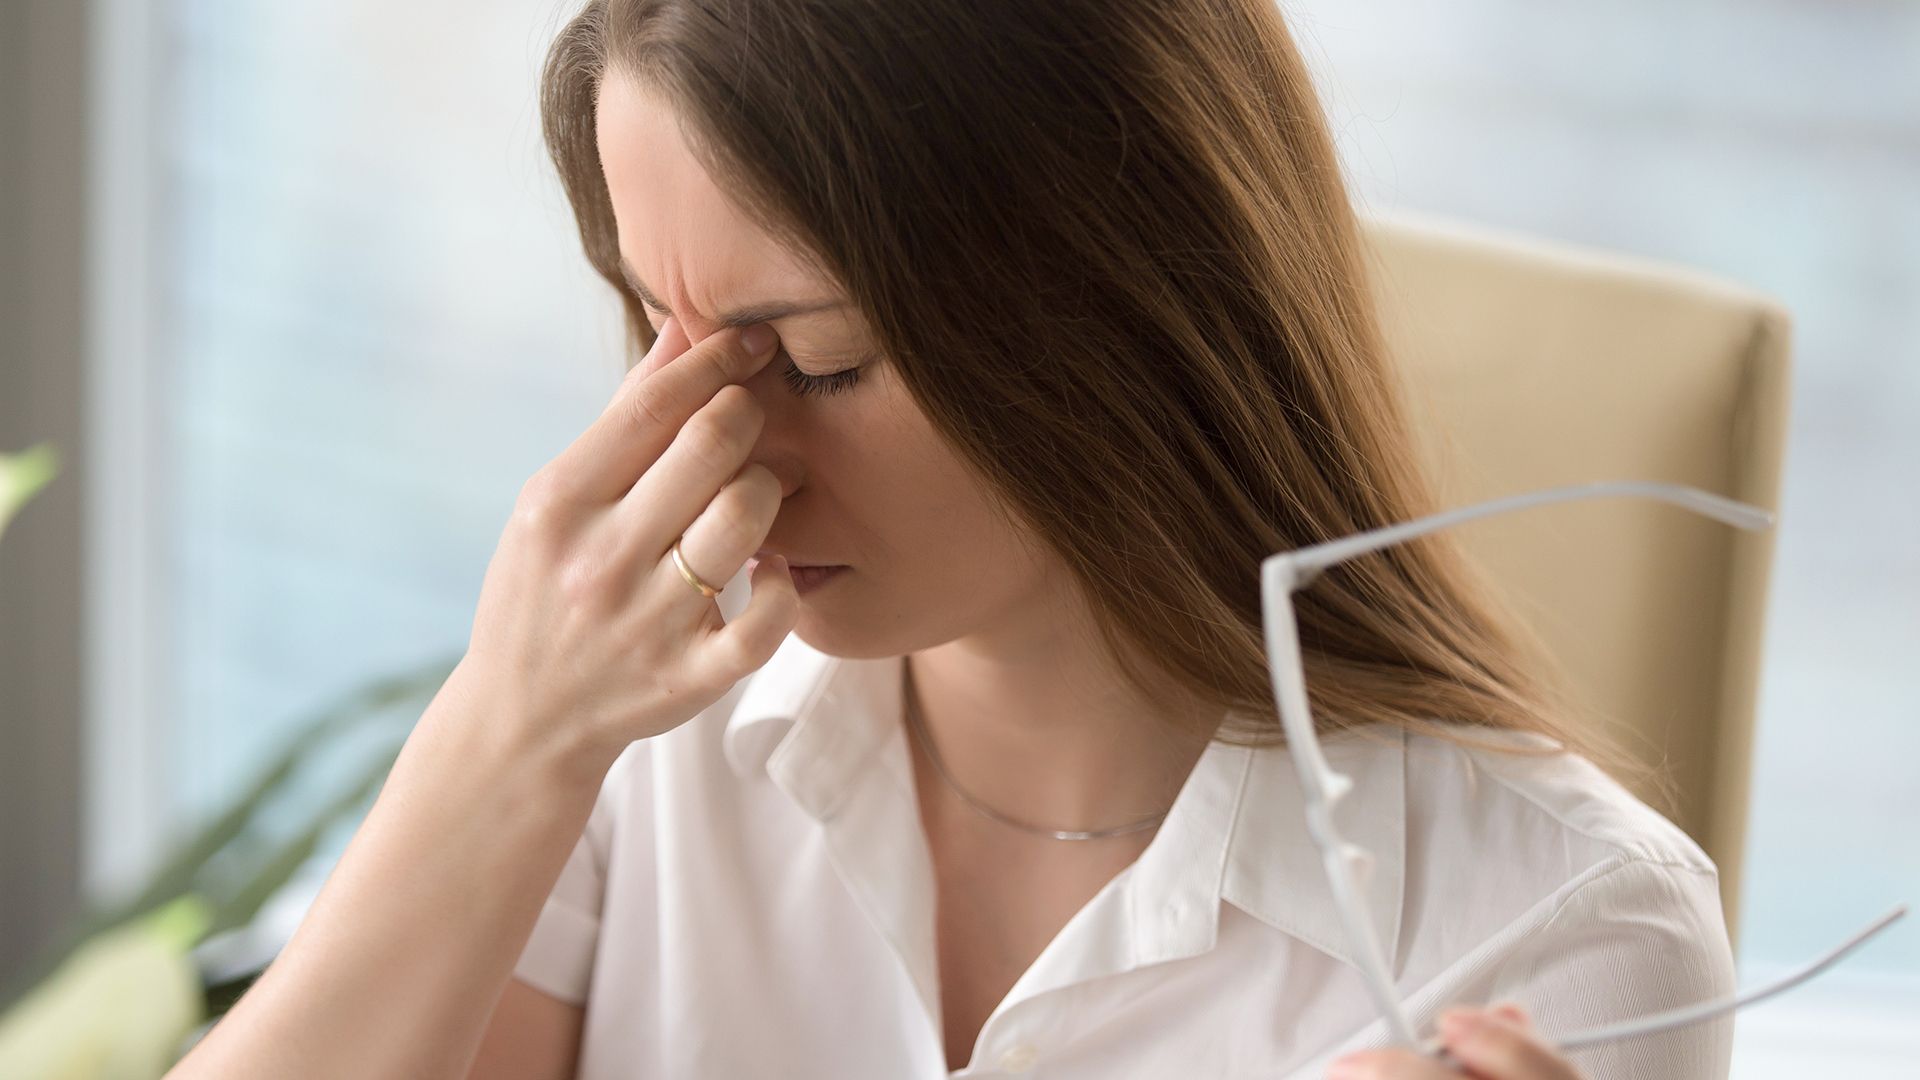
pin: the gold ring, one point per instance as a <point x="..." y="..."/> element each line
<point x="686" y="571"/>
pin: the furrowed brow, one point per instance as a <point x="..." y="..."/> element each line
<point x="746" y="316"/>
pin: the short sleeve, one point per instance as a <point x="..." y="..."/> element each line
<point x="1640" y="938"/>
<point x="558" y="957"/>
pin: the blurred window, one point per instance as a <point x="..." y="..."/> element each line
<point x="371" y="323"/>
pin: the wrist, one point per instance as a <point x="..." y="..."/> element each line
<point x="488" y="731"/>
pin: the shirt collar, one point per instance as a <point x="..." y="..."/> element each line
<point x="1276" y="874"/>
<point x="1235" y="833"/>
<point x="812" y="721"/>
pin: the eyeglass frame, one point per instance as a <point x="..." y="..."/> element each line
<point x="1284" y="573"/>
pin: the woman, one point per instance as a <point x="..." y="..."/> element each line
<point x="1072" y="330"/>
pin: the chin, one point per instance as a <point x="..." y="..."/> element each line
<point x="837" y="622"/>
<point x="842" y="637"/>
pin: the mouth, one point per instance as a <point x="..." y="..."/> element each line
<point x="806" y="576"/>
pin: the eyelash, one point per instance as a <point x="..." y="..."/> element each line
<point x="809" y="385"/>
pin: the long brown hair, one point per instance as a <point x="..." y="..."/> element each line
<point x="1107" y="247"/>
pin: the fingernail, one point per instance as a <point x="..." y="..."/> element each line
<point x="757" y="339"/>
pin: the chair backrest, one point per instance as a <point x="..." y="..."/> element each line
<point x="1532" y="364"/>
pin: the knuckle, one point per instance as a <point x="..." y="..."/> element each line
<point x="533" y="518"/>
<point x="542" y="487"/>
<point x="537" y="508"/>
<point x="711" y="443"/>
<point x="649" y="407"/>
<point x="730" y="423"/>
<point x="741" y="411"/>
<point x="726" y="355"/>
<point x="736" y="514"/>
<point x="740" y="402"/>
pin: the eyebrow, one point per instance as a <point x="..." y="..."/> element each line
<point x="739" y="317"/>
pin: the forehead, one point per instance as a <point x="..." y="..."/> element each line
<point x="684" y="237"/>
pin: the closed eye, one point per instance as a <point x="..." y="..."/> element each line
<point x="809" y="385"/>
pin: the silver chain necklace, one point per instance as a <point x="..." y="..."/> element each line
<point x="918" y="726"/>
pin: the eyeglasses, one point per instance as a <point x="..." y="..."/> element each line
<point x="1283" y="574"/>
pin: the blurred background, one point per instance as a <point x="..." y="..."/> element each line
<point x="292" y="292"/>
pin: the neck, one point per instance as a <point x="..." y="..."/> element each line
<point x="1043" y="728"/>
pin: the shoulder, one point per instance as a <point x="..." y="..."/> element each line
<point x="1555" y="813"/>
<point x="1538" y="878"/>
<point x="1515" y="843"/>
<point x="1510" y="851"/>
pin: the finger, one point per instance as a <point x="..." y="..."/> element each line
<point x="568" y="474"/>
<point x="668" y="342"/>
<point x="1513" y="1011"/>
<point x="648" y="410"/>
<point x="720" y="539"/>
<point x="708" y="454"/>
<point x="744" y="645"/>
<point x="1492" y="1046"/>
<point x="1388" y="1065"/>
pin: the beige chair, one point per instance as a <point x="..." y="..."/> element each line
<point x="1532" y="364"/>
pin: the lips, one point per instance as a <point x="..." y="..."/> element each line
<point x="808" y="578"/>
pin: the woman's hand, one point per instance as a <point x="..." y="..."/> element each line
<point x="586" y="637"/>
<point x="1498" y="1043"/>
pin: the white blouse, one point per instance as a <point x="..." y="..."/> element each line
<point x="753" y="897"/>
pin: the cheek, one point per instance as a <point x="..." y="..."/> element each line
<point x="936" y="510"/>
<point x="904" y="476"/>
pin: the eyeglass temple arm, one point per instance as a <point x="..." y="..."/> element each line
<point x="1688" y="1014"/>
<point x="1309" y="561"/>
<point x="1285" y="572"/>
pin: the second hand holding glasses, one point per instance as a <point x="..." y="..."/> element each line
<point x="1283" y="574"/>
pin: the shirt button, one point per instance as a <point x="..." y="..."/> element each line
<point x="1019" y="1057"/>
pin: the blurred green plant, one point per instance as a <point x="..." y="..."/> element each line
<point x="89" y="1023"/>
<point x="120" y="991"/>
<point x="22" y="475"/>
<point x="118" y="1008"/>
